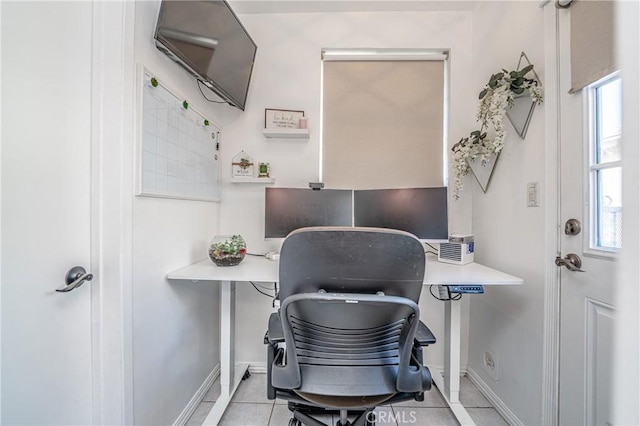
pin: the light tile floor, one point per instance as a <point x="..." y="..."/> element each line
<point x="250" y="407"/>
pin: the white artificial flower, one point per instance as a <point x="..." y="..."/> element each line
<point x="490" y="113"/>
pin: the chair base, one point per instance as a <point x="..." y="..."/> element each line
<point x="303" y="415"/>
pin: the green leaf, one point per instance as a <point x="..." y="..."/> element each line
<point x="493" y="84"/>
<point x="475" y="133"/>
<point x="517" y="90"/>
<point x="500" y="76"/>
<point x="526" y="69"/>
<point x="206" y="122"/>
<point x="483" y="94"/>
<point x="154" y="82"/>
<point x="185" y="104"/>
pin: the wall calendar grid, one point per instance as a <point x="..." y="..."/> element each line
<point x="178" y="155"/>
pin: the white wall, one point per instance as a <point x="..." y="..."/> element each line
<point x="287" y="75"/>
<point x="626" y="388"/>
<point x="175" y="324"/>
<point x="508" y="322"/>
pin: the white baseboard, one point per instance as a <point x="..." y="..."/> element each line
<point x="497" y="403"/>
<point x="258" y="367"/>
<point x="197" y="398"/>
<point x="439" y="369"/>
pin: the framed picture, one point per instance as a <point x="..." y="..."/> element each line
<point x="282" y="119"/>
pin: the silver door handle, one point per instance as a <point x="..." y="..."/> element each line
<point x="74" y="279"/>
<point x="571" y="261"/>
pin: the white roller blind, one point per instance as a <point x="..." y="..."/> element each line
<point x="382" y="124"/>
<point x="592" y="42"/>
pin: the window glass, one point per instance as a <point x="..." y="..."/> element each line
<point x="609" y="207"/>
<point x="609" y="107"/>
<point x="605" y="165"/>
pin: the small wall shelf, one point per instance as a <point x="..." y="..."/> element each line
<point x="267" y="181"/>
<point x="286" y="133"/>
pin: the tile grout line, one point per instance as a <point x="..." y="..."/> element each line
<point x="273" y="407"/>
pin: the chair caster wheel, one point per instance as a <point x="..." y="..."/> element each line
<point x="294" y="422"/>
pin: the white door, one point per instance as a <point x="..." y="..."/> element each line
<point x="46" y="224"/>
<point x="590" y="194"/>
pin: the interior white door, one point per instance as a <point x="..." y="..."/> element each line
<point x="46" y="224"/>
<point x="586" y="298"/>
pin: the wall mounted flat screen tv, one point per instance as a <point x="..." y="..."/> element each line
<point x="420" y="211"/>
<point x="207" y="39"/>
<point x="288" y="209"/>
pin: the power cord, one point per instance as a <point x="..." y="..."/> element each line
<point x="203" y="95"/>
<point x="262" y="292"/>
<point x="442" y="299"/>
<point x="435" y="250"/>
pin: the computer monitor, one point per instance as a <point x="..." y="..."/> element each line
<point x="288" y="209"/>
<point x="420" y="211"/>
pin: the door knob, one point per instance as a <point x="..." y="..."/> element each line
<point x="572" y="227"/>
<point x="74" y="279"/>
<point x="571" y="261"/>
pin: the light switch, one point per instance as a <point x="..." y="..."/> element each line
<point x="532" y="194"/>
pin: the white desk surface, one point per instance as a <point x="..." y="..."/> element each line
<point x="260" y="269"/>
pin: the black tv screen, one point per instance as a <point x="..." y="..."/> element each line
<point x="420" y="211"/>
<point x="288" y="209"/>
<point x="207" y="39"/>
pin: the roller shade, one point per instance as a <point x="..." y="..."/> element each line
<point x="382" y="123"/>
<point x="592" y="42"/>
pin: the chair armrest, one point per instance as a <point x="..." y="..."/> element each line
<point x="274" y="331"/>
<point x="424" y="336"/>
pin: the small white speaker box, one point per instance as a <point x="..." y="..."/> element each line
<point x="459" y="250"/>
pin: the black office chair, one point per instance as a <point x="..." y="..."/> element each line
<point x="348" y="335"/>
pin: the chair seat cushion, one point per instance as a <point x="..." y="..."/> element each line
<point x="348" y="381"/>
<point x="344" y="402"/>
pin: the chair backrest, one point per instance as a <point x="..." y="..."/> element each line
<point x="354" y="338"/>
<point x="355" y="260"/>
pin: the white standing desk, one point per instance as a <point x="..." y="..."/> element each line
<point x="260" y="269"/>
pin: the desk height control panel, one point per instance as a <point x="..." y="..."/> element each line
<point x="472" y="289"/>
<point x="447" y="292"/>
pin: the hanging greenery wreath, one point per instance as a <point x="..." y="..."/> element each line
<point x="495" y="98"/>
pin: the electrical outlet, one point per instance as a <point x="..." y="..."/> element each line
<point x="488" y="361"/>
<point x="532" y="195"/>
<point x="490" y="364"/>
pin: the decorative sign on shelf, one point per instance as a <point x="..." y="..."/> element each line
<point x="242" y="165"/>
<point x="282" y="119"/>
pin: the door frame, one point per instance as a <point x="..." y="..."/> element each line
<point x="551" y="327"/>
<point x="111" y="210"/>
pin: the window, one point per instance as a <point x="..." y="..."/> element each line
<point x="605" y="164"/>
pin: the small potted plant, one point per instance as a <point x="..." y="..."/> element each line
<point x="227" y="250"/>
<point x="263" y="170"/>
